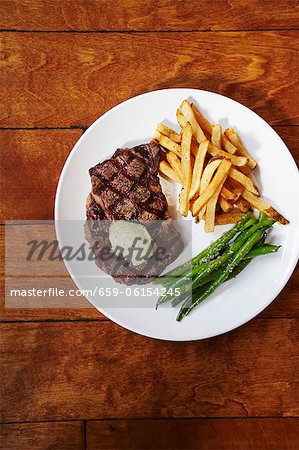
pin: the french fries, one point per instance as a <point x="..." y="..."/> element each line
<point x="166" y="131"/>
<point x="213" y="168"/>
<point x="225" y="205"/>
<point x="244" y="180"/>
<point x="227" y="218"/>
<point x="182" y="121"/>
<point x="167" y="143"/>
<point x="236" y="141"/>
<point x="167" y="170"/>
<point x="262" y="206"/>
<point x="186" y="168"/>
<point x="220" y="176"/>
<point x="216" y="136"/>
<point x="205" y="181"/>
<point x="228" y="194"/>
<point x="210" y="211"/>
<point x="176" y="165"/>
<point x="198" y="168"/>
<point x="236" y="160"/>
<point x="190" y="117"/>
<point x="207" y="127"/>
<point x="243" y="204"/>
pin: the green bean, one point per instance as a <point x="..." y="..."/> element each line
<point x="209" y="267"/>
<point x="265" y="250"/>
<point x="201" y="271"/>
<point x="213" y="285"/>
<point x="249" y="223"/>
<point x="209" y="252"/>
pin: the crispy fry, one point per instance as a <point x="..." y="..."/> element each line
<point x="234" y="139"/>
<point x="198" y="169"/>
<point x="202" y="121"/>
<point x="225" y="205"/>
<point x="181" y="118"/>
<point x="207" y="127"/>
<point x="242" y="179"/>
<point x="243" y="204"/>
<point x="262" y="206"/>
<point x="234" y="186"/>
<point x="205" y="181"/>
<point x="227" y="218"/>
<point x="211" y="210"/>
<point x="220" y="176"/>
<point x="246" y="170"/>
<point x="167" y="170"/>
<point x="190" y="117"/>
<point x="167" y="143"/>
<point x="166" y="131"/>
<point x="175" y="163"/>
<point x="228" y="194"/>
<point x="216" y="136"/>
<point x="187" y="169"/>
<point x="236" y="160"/>
<point x="194" y="147"/>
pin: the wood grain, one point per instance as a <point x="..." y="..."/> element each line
<point x="31" y="165"/>
<point x="41" y="436"/>
<point x="98" y="370"/>
<point x="203" y="434"/>
<point x="148" y="15"/>
<point x="36" y="157"/>
<point x="71" y="79"/>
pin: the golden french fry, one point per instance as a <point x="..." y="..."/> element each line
<point x="207" y="127"/>
<point x="198" y="168"/>
<point x="246" y="170"/>
<point x="166" y="131"/>
<point x="244" y="180"/>
<point x="225" y="205"/>
<point x="216" y="135"/>
<point x="186" y="162"/>
<point x="190" y="117"/>
<point x="167" y="170"/>
<point x="235" y="187"/>
<point x="205" y="181"/>
<point x="236" y="160"/>
<point x="182" y="121"/>
<point x="262" y="206"/>
<point x="220" y="176"/>
<point x="202" y="121"/>
<point x="194" y="147"/>
<point x="243" y="204"/>
<point x="234" y="139"/>
<point x="228" y="194"/>
<point x="167" y="143"/>
<point x="175" y="163"/>
<point x="227" y="218"/>
<point x="211" y="210"/>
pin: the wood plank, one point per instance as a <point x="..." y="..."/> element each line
<point x="257" y="69"/>
<point x="75" y="370"/>
<point x="204" y="434"/>
<point x="30" y="166"/>
<point x="150" y="15"/>
<point x="41" y="436"/>
<point x="290" y="136"/>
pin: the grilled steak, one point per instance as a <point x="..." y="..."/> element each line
<point x="127" y="187"/>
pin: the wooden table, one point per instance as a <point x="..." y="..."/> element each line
<point x="72" y="379"/>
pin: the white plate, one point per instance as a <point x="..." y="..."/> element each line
<point x="133" y="122"/>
